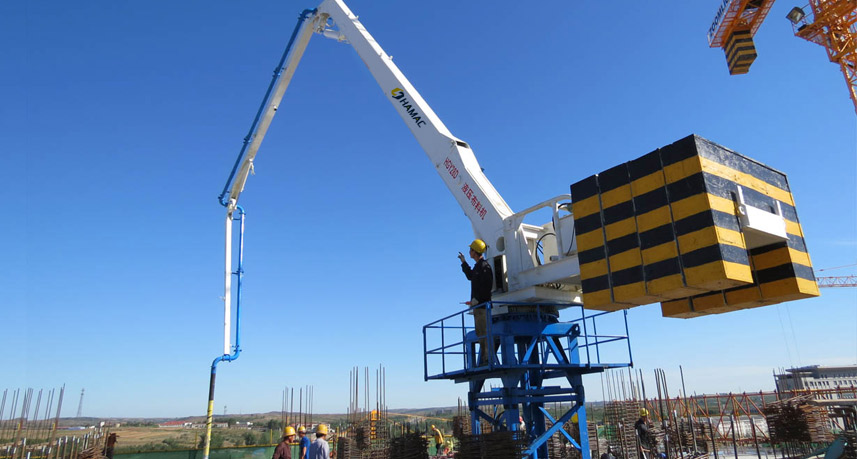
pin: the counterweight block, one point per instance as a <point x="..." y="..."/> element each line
<point x="694" y="225"/>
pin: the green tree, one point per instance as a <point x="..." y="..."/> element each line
<point x="249" y="438"/>
<point x="216" y="440"/>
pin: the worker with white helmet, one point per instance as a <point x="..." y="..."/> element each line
<point x="319" y="448"/>
<point x="481" y="279"/>
<point x="284" y="449"/>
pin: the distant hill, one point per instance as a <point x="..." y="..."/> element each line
<point x="262" y="418"/>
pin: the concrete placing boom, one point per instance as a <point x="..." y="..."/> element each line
<point x="513" y="246"/>
<point x="696" y="226"/>
<point x="693" y="225"/>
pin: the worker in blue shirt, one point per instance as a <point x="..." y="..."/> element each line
<point x="303" y="443"/>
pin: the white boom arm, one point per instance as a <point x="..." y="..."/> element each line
<point x="512" y="244"/>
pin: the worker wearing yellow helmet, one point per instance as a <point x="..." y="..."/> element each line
<point x="641" y="427"/>
<point x="481" y="279"/>
<point x="303" y="447"/>
<point x="284" y="449"/>
<point x="438" y="440"/>
<point x="319" y="449"/>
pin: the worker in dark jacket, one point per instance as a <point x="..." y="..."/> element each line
<point x="284" y="449"/>
<point x="109" y="447"/>
<point x="481" y="283"/>
<point x="644" y="436"/>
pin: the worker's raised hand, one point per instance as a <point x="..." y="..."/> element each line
<point x="461" y="257"/>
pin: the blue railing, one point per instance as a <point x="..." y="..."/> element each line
<point x="528" y="336"/>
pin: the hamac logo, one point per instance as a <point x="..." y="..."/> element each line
<point x="398" y="95"/>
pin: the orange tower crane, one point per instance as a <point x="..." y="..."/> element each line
<point x="734" y="26"/>
<point x="831" y="24"/>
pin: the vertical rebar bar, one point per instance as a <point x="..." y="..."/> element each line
<point x="734" y="440"/>
<point x="669" y="409"/>
<point x="45" y="421"/>
<point x="356" y="392"/>
<point x="384" y="385"/>
<point x="2" y="409"/>
<point x="677" y="426"/>
<point x="690" y="415"/>
<point x="57" y="418"/>
<point x="350" y="410"/>
<point x="20" y="439"/>
<point x="755" y="439"/>
<point x="658" y="386"/>
<point x="30" y="423"/>
<point x="9" y="428"/>
<point x="633" y="386"/>
<point x="366" y="391"/>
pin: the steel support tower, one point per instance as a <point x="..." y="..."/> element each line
<point x="538" y="360"/>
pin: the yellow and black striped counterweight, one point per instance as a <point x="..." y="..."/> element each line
<point x="740" y="52"/>
<point x="666" y="227"/>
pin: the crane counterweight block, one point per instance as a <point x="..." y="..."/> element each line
<point x="694" y="225"/>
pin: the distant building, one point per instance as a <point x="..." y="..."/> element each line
<point x="217" y="425"/>
<point x="816" y="377"/>
<point x="175" y="424"/>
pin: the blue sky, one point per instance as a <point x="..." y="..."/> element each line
<point x="120" y="122"/>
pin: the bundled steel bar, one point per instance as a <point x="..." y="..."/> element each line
<point x="495" y="445"/>
<point x="411" y="445"/>
<point x="797" y="420"/>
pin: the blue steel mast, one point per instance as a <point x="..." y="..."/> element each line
<point x="535" y="356"/>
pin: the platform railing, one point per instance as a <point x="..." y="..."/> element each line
<point x="449" y="342"/>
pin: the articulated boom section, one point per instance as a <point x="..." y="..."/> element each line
<point x="537" y="263"/>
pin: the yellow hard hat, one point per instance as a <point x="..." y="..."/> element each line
<point x="289" y="430"/>
<point x="432" y="426"/>
<point x="302" y="429"/>
<point x="478" y="246"/>
<point x="644" y="412"/>
<point x="322" y="429"/>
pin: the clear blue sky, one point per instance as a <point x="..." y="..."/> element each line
<point x="120" y="122"/>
